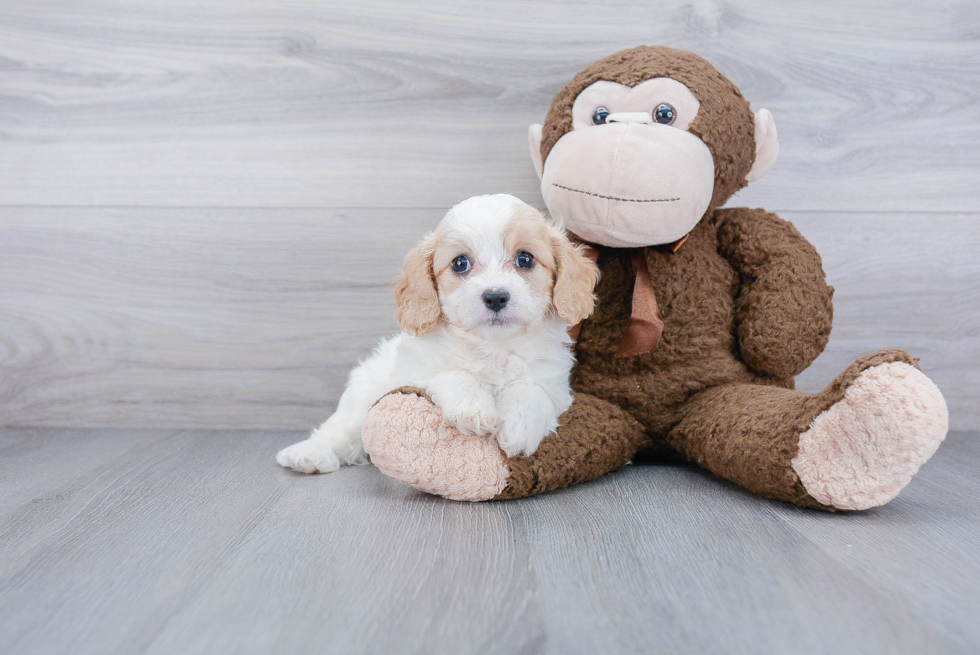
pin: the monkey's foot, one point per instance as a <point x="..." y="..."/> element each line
<point x="866" y="447"/>
<point x="408" y="439"/>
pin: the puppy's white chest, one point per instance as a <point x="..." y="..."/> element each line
<point x="500" y="369"/>
<point x="515" y="367"/>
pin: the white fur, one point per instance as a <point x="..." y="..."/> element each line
<point x="503" y="375"/>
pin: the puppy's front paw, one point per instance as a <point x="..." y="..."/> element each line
<point x="527" y="415"/>
<point x="475" y="414"/>
<point x="310" y="456"/>
<point x="522" y="428"/>
<point x="516" y="437"/>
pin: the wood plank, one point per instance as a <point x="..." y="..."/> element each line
<point x="196" y="542"/>
<point x="385" y="103"/>
<point x="923" y="547"/>
<point x="252" y="318"/>
<point x="152" y="524"/>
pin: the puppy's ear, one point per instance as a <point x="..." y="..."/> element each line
<point x="417" y="305"/>
<point x="575" y="281"/>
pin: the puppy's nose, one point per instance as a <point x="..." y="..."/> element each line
<point x="495" y="299"/>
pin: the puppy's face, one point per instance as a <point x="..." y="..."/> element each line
<point x="494" y="267"/>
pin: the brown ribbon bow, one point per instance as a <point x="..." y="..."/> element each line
<point x="645" y="327"/>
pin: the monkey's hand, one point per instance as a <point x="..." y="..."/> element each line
<point x="784" y="308"/>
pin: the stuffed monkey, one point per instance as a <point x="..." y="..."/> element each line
<point x="704" y="316"/>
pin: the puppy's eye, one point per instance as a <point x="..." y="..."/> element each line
<point x="599" y="116"/>
<point x="461" y="264"/>
<point x="525" y="260"/>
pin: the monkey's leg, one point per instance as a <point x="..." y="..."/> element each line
<point x="407" y="439"/>
<point x="854" y="445"/>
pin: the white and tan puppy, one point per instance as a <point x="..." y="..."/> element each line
<point x="484" y="303"/>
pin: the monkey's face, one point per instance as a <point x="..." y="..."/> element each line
<point x="629" y="173"/>
<point x="640" y="145"/>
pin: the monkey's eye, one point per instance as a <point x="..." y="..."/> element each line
<point x="600" y="115"/>
<point x="461" y="264"/>
<point x="525" y="260"/>
<point x="664" y="114"/>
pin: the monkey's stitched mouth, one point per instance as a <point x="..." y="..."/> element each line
<point x="597" y="195"/>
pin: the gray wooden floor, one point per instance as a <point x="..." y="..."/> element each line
<point x="119" y="541"/>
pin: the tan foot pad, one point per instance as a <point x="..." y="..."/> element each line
<point x="407" y="439"/>
<point x="865" y="448"/>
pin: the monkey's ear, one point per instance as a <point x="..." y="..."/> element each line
<point x="534" y="139"/>
<point x="766" y="145"/>
<point x="417" y="305"/>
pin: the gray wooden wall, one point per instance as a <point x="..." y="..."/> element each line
<point x="201" y="204"/>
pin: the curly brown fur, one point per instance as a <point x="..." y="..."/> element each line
<point x="784" y="310"/>
<point x="577" y="452"/>
<point x="696" y="290"/>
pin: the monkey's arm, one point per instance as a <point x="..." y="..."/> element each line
<point x="783" y="311"/>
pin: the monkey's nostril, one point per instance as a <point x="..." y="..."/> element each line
<point x="495" y="299"/>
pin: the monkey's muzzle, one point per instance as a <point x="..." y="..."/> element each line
<point x="629" y="184"/>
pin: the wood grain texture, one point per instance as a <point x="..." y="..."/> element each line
<point x="118" y="541"/>
<point x="252" y="318"/>
<point x="201" y="206"/>
<point x="213" y="317"/>
<point x="386" y="103"/>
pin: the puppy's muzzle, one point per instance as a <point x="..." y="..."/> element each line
<point x="495" y="299"/>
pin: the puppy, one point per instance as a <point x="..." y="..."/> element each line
<point x="484" y="303"/>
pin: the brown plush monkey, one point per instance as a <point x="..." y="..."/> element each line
<point x="704" y="316"/>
